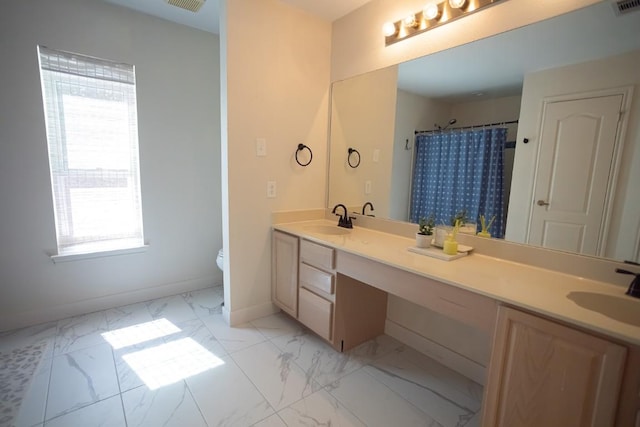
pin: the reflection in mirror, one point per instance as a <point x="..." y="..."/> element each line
<point x="361" y="109"/>
<point x="458" y="176"/>
<point x="570" y="190"/>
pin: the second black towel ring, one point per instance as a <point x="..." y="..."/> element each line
<point x="300" y="148"/>
<point x="351" y="151"/>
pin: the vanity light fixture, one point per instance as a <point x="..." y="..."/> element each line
<point x="457" y="4"/>
<point x="389" y="29"/>
<point x="431" y="11"/>
<point x="410" y="21"/>
<point x="434" y="14"/>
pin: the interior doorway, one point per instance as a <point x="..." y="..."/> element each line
<point x="574" y="174"/>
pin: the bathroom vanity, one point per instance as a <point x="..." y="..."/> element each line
<point x="553" y="361"/>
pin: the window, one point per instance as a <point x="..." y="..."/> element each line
<point x="92" y="136"/>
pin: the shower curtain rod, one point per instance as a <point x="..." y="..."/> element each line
<point x="467" y="127"/>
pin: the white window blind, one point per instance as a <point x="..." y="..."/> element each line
<point x="92" y="136"/>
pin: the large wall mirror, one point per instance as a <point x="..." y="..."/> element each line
<point x="523" y="80"/>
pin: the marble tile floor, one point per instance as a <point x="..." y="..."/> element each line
<point x="175" y="362"/>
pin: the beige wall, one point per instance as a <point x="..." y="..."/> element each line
<point x="362" y="112"/>
<point x="607" y="73"/>
<point x="276" y="61"/>
<point x="358" y="44"/>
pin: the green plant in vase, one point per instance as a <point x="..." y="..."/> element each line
<point x="425" y="226"/>
<point x="425" y="231"/>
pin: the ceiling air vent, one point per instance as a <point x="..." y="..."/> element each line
<point x="191" y="5"/>
<point x="623" y="7"/>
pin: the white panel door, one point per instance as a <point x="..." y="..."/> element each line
<point x="574" y="165"/>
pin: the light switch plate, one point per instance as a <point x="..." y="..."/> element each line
<point x="271" y="189"/>
<point x="376" y="155"/>
<point x="261" y="147"/>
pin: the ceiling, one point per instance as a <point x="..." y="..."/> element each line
<point x="207" y="17"/>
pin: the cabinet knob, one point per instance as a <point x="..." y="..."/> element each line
<point x="542" y="203"/>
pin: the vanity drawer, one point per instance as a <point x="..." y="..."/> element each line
<point x="316" y="313"/>
<point x="314" y="279"/>
<point x="317" y="255"/>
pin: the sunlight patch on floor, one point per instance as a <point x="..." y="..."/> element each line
<point x="142" y="332"/>
<point x="171" y="362"/>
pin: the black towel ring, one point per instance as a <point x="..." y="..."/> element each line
<point x="351" y="151"/>
<point x="300" y="148"/>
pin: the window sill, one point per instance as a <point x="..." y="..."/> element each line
<point x="101" y="254"/>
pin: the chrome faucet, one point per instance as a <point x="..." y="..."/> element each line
<point x="345" y="220"/>
<point x="364" y="208"/>
<point x="634" y="287"/>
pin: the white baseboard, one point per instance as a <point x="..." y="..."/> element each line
<point x="48" y="314"/>
<point x="225" y="315"/>
<point x="244" y="315"/>
<point x="465" y="366"/>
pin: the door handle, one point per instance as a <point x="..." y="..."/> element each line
<point x="542" y="203"/>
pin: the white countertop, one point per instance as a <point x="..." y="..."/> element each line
<point x="536" y="289"/>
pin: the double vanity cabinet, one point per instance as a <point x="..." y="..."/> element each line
<point x="542" y="372"/>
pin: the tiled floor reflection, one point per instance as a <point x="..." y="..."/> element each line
<point x="175" y="362"/>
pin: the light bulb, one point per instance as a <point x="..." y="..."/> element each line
<point x="389" y="29"/>
<point x="431" y="11"/>
<point x="410" y="21"/>
<point x="457" y="4"/>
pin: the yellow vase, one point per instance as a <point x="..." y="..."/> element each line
<point x="450" y="247"/>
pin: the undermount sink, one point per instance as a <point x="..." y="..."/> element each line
<point x="621" y="308"/>
<point x="330" y="230"/>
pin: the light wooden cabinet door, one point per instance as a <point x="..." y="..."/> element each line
<point x="546" y="374"/>
<point x="284" y="272"/>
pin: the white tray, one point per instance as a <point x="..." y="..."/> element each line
<point x="436" y="253"/>
<point x="461" y="248"/>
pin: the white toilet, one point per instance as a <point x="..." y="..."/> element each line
<point x="219" y="260"/>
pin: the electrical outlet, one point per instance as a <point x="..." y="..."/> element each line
<point x="367" y="187"/>
<point x="376" y="155"/>
<point x="261" y="147"/>
<point x="271" y="189"/>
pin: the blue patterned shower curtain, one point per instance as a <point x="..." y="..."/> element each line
<point x="460" y="170"/>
